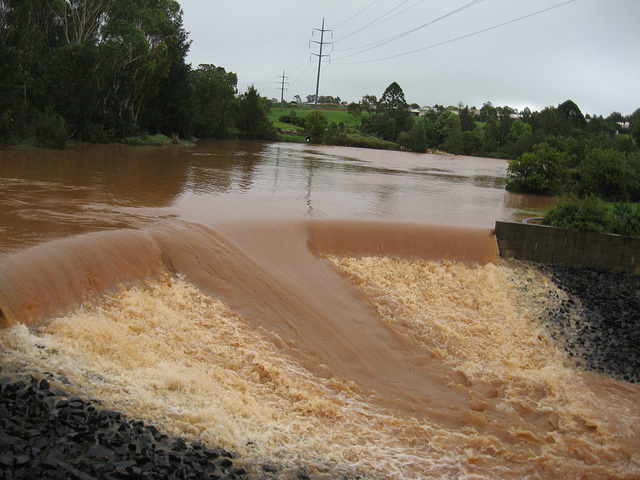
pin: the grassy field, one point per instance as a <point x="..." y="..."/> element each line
<point x="339" y="115"/>
<point x="333" y="114"/>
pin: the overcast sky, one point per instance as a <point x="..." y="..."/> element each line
<point x="584" y="50"/>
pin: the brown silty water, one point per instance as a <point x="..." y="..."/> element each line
<point x="309" y="305"/>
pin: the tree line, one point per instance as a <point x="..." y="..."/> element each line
<point x="592" y="162"/>
<point x="492" y="131"/>
<point x="554" y="151"/>
<point x="101" y="70"/>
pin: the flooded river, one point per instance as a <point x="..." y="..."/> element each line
<point x="49" y="194"/>
<point x="337" y="308"/>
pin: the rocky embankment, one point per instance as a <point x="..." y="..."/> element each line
<point x="47" y="434"/>
<point x="599" y="321"/>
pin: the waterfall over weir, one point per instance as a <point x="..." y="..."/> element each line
<point x="219" y="299"/>
<point x="53" y="277"/>
<point x="384" y="349"/>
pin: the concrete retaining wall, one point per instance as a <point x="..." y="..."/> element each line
<point x="543" y="244"/>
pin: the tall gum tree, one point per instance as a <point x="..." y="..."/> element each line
<point x="95" y="62"/>
<point x="396" y="107"/>
<point x="214" y="91"/>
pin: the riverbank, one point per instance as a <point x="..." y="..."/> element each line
<point x="47" y="433"/>
<point x="599" y="321"/>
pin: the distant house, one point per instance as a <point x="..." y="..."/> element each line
<point x="420" y="112"/>
<point x="473" y="111"/>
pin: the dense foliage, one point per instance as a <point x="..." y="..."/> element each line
<point x="543" y="171"/>
<point x="316" y="125"/>
<point x="557" y="151"/>
<point x="592" y="214"/>
<point x="99" y="70"/>
<point x="498" y="132"/>
<point x="589" y="215"/>
<point x="610" y="174"/>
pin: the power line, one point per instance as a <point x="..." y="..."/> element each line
<point x="382" y="21"/>
<point x="298" y="62"/>
<point x="361" y="11"/>
<point x="304" y="83"/>
<point x="396" y="37"/>
<point x="302" y="73"/>
<point x="368" y="25"/>
<point x="451" y="40"/>
<point x="379" y="19"/>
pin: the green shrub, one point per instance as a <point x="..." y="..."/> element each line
<point x="316" y="123"/>
<point x="626" y="219"/>
<point x="543" y="171"/>
<point x="50" y="130"/>
<point x="415" y="139"/>
<point x="364" y="141"/>
<point x="609" y="174"/>
<point x="588" y="215"/>
<point x="292" y="118"/>
<point x="158" y="140"/>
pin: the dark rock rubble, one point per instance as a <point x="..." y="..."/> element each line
<point x="599" y="321"/>
<point x="47" y="434"/>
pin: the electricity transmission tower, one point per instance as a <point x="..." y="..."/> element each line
<point x="284" y="78"/>
<point x="320" y="55"/>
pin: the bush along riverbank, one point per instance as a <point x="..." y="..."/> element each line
<point x="599" y="320"/>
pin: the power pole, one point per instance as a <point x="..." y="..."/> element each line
<point x="320" y="55"/>
<point x="282" y="92"/>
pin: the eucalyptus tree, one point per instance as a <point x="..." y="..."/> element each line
<point x="253" y="121"/>
<point x="215" y="105"/>
<point x="135" y="56"/>
<point x="93" y="62"/>
<point x="28" y="35"/>
<point x="81" y="20"/>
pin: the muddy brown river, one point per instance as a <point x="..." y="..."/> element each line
<point x="338" y="308"/>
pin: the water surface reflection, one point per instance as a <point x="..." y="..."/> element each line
<point x="50" y="194"/>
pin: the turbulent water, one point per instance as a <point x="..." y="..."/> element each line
<point x="301" y="306"/>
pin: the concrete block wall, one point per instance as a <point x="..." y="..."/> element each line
<point x="558" y="246"/>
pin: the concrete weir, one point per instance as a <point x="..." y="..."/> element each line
<point x="560" y="246"/>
